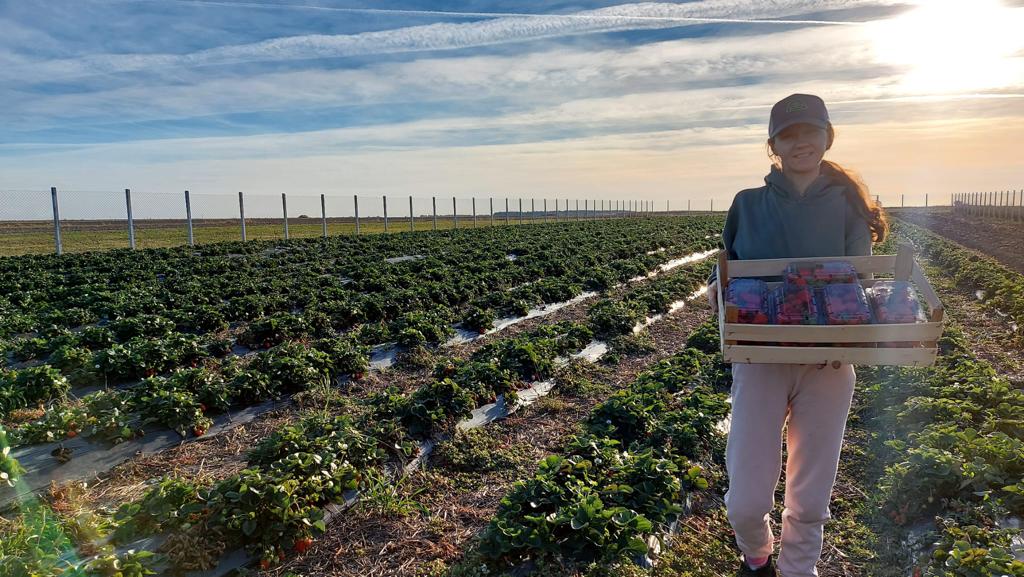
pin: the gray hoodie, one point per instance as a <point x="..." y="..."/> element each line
<point x="773" y="221"/>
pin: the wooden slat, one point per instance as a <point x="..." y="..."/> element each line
<point x="904" y="262"/>
<point x="927" y="292"/>
<point x="833" y="333"/>
<point x="722" y="278"/>
<point x="828" y="355"/>
<point x="775" y="266"/>
<point x="866" y="283"/>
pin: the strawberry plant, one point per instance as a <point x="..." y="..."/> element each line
<point x="609" y="318"/>
<point x="77" y="364"/>
<point x="318" y="434"/>
<point x="141" y="326"/>
<point x="160" y="509"/>
<point x="10" y="470"/>
<point x="478" y="319"/>
<point x="973" y="551"/>
<point x="435" y="407"/>
<point x="31" y="386"/>
<point x="274" y="330"/>
<point x="347" y="356"/>
<point x="176" y="408"/>
<point x="57" y="423"/>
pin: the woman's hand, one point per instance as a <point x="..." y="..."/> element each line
<point x="713" y="296"/>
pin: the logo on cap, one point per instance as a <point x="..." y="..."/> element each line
<point x="795" y="106"/>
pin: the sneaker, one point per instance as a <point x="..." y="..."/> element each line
<point x="767" y="570"/>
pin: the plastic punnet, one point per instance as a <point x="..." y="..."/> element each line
<point x="818" y="274"/>
<point x="846" y="304"/>
<point x="795" y="305"/>
<point x="751" y="297"/>
<point x="895" y="302"/>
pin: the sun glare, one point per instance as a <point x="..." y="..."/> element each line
<point x="954" y="45"/>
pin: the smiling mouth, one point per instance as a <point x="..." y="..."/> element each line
<point x="802" y="155"/>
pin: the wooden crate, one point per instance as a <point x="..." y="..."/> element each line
<point x="875" y="344"/>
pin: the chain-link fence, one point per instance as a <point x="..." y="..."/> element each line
<point x="40" y="221"/>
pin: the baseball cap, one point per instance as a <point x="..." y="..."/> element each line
<point x="797" y="108"/>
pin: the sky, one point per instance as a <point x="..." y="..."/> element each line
<point x="583" y="99"/>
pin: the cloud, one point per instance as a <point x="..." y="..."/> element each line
<point x="541" y="78"/>
<point x="433" y="37"/>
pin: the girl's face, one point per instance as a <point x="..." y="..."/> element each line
<point x="800" y="147"/>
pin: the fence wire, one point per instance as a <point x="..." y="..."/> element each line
<point x="99" y="220"/>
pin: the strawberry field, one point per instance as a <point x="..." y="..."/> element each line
<point x="543" y="400"/>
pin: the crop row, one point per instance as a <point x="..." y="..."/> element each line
<point x="1002" y="289"/>
<point x="953" y="449"/>
<point x="617" y="487"/>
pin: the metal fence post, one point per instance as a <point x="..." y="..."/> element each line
<point x="533" y="211"/>
<point x="433" y="201"/>
<point x="577" y="210"/>
<point x="490" y="201"/>
<point x="520" y="210"/>
<point x="545" y="211"/>
<point x="59" y="245"/>
<point x="926" y="200"/>
<point x="474" y="211"/>
<point x="241" y="213"/>
<point x="284" y="213"/>
<point x="131" y="220"/>
<point x="323" y="213"/>
<point x="385" y="197"/>
<point x="188" y="219"/>
<point x="455" y="212"/>
<point x="355" y="199"/>
<point x="506" y="210"/>
<point x="412" y="221"/>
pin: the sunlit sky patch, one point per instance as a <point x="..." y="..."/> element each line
<point x="585" y="99"/>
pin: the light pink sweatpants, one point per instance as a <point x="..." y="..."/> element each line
<point x="817" y="402"/>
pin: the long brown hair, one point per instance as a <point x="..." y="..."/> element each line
<point x="855" y="189"/>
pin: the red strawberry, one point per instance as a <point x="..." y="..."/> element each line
<point x="303" y="544"/>
<point x="199" y="431"/>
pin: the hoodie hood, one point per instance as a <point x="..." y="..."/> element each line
<point x="823" y="186"/>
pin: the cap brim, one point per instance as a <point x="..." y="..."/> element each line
<point x="813" y="121"/>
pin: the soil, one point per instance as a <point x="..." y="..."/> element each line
<point x="999" y="238"/>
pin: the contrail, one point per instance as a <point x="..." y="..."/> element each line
<point x="441" y="13"/>
<point x="908" y="98"/>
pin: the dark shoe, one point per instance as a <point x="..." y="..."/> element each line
<point x="768" y="570"/>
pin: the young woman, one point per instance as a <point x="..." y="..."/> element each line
<point x="808" y="207"/>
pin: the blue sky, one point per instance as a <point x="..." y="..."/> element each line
<point x="656" y="100"/>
